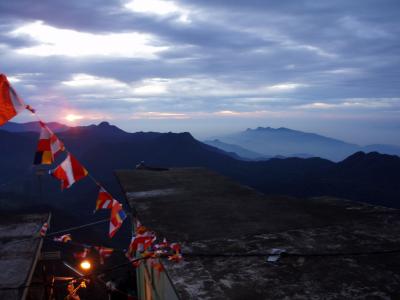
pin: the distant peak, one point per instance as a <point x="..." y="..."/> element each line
<point x="104" y="124"/>
<point x="268" y="129"/>
<point x="101" y="128"/>
<point x="259" y="128"/>
<point x="107" y="126"/>
<point x="362" y="156"/>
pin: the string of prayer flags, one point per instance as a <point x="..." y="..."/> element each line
<point x="10" y="103"/>
<point x="104" y="252"/>
<point x="141" y="242"/>
<point x="117" y="217"/>
<point x="43" y="230"/>
<point x="48" y="146"/>
<point x="69" y="171"/>
<point x="104" y="200"/>
<point x="65" y="238"/>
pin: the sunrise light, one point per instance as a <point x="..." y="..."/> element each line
<point x="73" y="117"/>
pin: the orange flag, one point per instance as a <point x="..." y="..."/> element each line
<point x="10" y="103"/>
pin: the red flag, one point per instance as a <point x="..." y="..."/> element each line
<point x="104" y="252"/>
<point x="177" y="256"/>
<point x="43" y="230"/>
<point x="164" y="244"/>
<point x="176" y="247"/>
<point x="161" y="248"/>
<point x="117" y="217"/>
<point x="104" y="199"/>
<point x="69" y="171"/>
<point x="140" y="229"/>
<point x="10" y="103"/>
<point x="48" y="146"/>
<point x="141" y="242"/>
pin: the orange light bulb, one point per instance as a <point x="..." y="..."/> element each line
<point x="86" y="265"/>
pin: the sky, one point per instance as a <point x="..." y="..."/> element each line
<point x="209" y="67"/>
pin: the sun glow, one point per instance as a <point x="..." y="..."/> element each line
<point x="73" y="117"/>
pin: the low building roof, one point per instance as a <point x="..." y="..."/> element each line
<point x="19" y="250"/>
<point x="227" y="231"/>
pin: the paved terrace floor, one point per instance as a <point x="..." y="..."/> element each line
<point x="211" y="215"/>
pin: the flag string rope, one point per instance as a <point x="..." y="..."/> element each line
<point x="99" y="273"/>
<point x="61" y="231"/>
<point x="261" y="254"/>
<point x="118" y="215"/>
<point x="82" y="245"/>
<point x="66" y="150"/>
<point x="78" y="227"/>
<point x="96" y="182"/>
<point x="110" y="269"/>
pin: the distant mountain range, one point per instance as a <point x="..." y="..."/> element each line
<point x="269" y="142"/>
<point x="33" y="127"/>
<point x="237" y="151"/>
<point x="103" y="148"/>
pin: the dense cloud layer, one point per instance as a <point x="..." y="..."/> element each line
<point x="328" y="67"/>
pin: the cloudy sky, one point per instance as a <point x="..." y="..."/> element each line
<point x="210" y="66"/>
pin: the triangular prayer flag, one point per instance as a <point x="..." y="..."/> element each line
<point x="117" y="217"/>
<point x="69" y="171"/>
<point x="44" y="229"/>
<point x="104" y="252"/>
<point x="48" y="146"/>
<point x="10" y="103"/>
<point x="104" y="199"/>
<point x="141" y="242"/>
<point x="162" y="247"/>
<point x="175" y="247"/>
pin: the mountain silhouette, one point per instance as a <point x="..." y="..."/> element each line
<point x="103" y="148"/>
<point x="33" y="127"/>
<point x="237" y="151"/>
<point x="293" y="143"/>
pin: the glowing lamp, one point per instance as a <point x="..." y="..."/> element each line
<point x="85" y="265"/>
